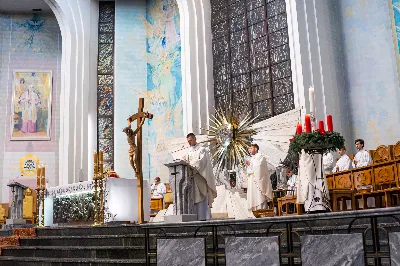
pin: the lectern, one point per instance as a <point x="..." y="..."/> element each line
<point x="182" y="185"/>
<point x="17" y="190"/>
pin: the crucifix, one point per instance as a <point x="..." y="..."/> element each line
<point x="135" y="151"/>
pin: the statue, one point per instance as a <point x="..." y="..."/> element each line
<point x="133" y="150"/>
<point x="28" y="205"/>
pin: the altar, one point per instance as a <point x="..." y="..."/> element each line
<point x="74" y="202"/>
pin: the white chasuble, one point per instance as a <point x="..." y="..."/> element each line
<point x="204" y="180"/>
<point x="312" y="188"/>
<point x="259" y="186"/>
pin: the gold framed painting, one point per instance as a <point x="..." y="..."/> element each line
<point x="31" y="104"/>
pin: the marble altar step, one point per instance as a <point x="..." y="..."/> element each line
<point x="41" y="261"/>
<point x="88" y="240"/>
<point x="122" y="229"/>
<point x="92" y="252"/>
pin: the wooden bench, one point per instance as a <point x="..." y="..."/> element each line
<point x="379" y="180"/>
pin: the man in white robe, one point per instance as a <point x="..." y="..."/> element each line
<point x="158" y="189"/>
<point x="259" y="186"/>
<point x="344" y="163"/>
<point x="362" y="158"/>
<point x="328" y="162"/>
<point x="205" y="190"/>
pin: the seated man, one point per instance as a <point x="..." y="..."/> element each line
<point x="344" y="162"/>
<point x="362" y="158"/>
<point x="292" y="182"/>
<point x="158" y="189"/>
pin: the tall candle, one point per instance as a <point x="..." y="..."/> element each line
<point x="299" y="129"/>
<point x="321" y="126"/>
<point x="311" y="98"/>
<point x="308" y="123"/>
<point x="39" y="172"/>
<point x="43" y="177"/>
<point x="101" y="163"/>
<point x="329" y="123"/>
<point x="95" y="165"/>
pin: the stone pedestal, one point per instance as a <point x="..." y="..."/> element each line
<point x="17" y="190"/>
<point x="182" y="185"/>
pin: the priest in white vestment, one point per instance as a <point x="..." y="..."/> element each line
<point x="259" y="186"/>
<point x="344" y="163"/>
<point x="328" y="162"/>
<point x="205" y="190"/>
<point x="362" y="158"/>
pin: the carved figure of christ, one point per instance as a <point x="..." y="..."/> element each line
<point x="140" y="117"/>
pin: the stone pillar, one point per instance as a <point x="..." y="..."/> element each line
<point x="182" y="185"/>
<point x="16" y="210"/>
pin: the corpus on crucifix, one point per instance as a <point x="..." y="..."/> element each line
<point x="135" y="151"/>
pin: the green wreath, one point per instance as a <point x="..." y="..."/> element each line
<point x="317" y="142"/>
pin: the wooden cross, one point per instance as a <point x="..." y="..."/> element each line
<point x="139" y="117"/>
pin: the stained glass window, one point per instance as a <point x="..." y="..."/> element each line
<point x="105" y="82"/>
<point x="251" y="57"/>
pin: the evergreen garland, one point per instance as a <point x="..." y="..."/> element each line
<point x="317" y="141"/>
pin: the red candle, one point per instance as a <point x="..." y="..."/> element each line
<point x="308" y="123"/>
<point x="329" y="123"/>
<point x="299" y="129"/>
<point x="321" y="126"/>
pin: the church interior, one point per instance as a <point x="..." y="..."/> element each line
<point x="200" y="132"/>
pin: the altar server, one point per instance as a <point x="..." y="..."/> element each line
<point x="158" y="189"/>
<point x="205" y="190"/>
<point x="344" y="162"/>
<point x="327" y="160"/>
<point x="259" y="187"/>
<point x="362" y="158"/>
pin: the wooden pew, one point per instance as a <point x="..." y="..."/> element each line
<point x="379" y="180"/>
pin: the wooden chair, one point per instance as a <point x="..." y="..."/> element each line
<point x="363" y="177"/>
<point x="4" y="212"/>
<point x="392" y="194"/>
<point x="285" y="202"/>
<point x="382" y="154"/>
<point x="155" y="205"/>
<point x="341" y="190"/>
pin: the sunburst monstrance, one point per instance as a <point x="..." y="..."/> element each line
<point x="232" y="137"/>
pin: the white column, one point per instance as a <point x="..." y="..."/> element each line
<point x="77" y="80"/>
<point x="315" y="41"/>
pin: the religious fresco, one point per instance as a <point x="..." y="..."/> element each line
<point x="31" y="105"/>
<point x="164" y="79"/>
<point x="372" y="79"/>
<point x="395" y="16"/>
<point x="35" y="35"/>
<point x="396" y="19"/>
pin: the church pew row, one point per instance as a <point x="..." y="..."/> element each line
<point x="380" y="181"/>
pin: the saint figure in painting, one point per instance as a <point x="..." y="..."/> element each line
<point x="30" y="102"/>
